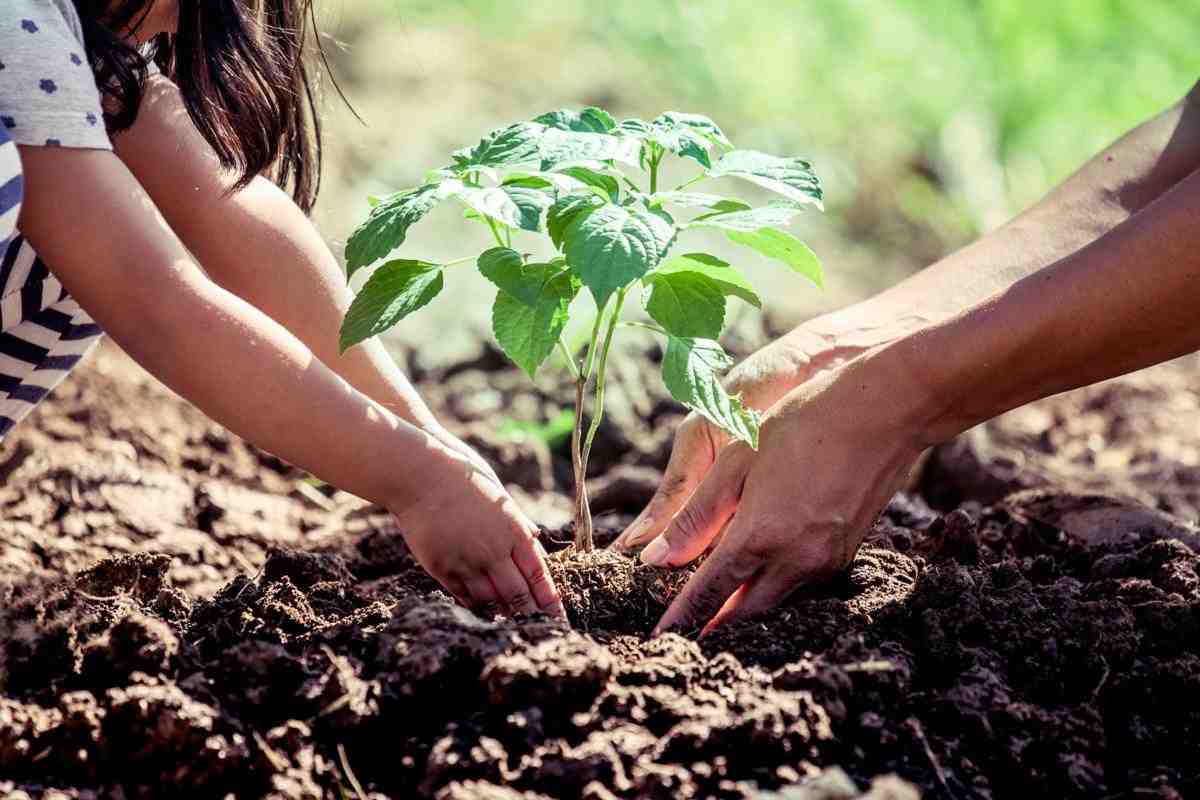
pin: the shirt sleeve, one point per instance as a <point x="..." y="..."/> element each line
<point x="48" y="94"/>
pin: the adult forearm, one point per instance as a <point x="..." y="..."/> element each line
<point x="1117" y="183"/>
<point x="1126" y="301"/>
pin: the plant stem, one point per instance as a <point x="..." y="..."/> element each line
<point x="495" y="232"/>
<point x="571" y="365"/>
<point x="635" y="324"/>
<point x="598" y="409"/>
<point x="583" y="512"/>
<point x="686" y="184"/>
<point x="654" y="173"/>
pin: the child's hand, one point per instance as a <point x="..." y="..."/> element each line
<point x="469" y="534"/>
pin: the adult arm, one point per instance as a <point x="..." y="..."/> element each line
<point x="836" y="449"/>
<point x="1119" y="182"/>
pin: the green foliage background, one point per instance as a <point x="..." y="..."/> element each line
<point x="929" y="120"/>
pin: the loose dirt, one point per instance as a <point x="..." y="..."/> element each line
<point x="184" y="614"/>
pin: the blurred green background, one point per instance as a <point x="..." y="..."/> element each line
<point x="930" y="121"/>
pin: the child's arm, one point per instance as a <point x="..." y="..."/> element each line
<point x="90" y="218"/>
<point x="257" y="244"/>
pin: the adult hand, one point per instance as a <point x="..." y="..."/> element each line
<point x="470" y="535"/>
<point x="832" y="453"/>
<point x="761" y="380"/>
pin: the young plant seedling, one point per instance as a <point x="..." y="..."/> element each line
<point x="591" y="185"/>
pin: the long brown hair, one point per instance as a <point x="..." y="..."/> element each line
<point x="243" y="71"/>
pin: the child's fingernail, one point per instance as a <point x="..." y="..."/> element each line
<point x="656" y="552"/>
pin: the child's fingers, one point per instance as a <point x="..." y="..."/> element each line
<point x="456" y="588"/>
<point x="530" y="558"/>
<point x="515" y="594"/>
<point x="483" y="599"/>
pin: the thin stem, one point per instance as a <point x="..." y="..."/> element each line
<point x="462" y="260"/>
<point x="591" y="356"/>
<point x="583" y="512"/>
<point x="635" y="324"/>
<point x="598" y="411"/>
<point x="571" y="365"/>
<point x="654" y="162"/>
<point x="686" y="184"/>
<point x="495" y="231"/>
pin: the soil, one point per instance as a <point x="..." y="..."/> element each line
<point x="184" y="614"/>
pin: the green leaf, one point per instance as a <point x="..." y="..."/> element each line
<point x="393" y="291"/>
<point x="507" y="269"/>
<point x="605" y="183"/>
<point x="783" y="247"/>
<point x="612" y="245"/>
<point x="387" y="225"/>
<point x="556" y="181"/>
<point x="528" y="332"/>
<point x="689" y="370"/>
<point x="373" y="200"/>
<point x="774" y="215"/>
<point x="504" y="147"/>
<point x="731" y="282"/>
<point x="686" y="303"/>
<point x="697" y="122"/>
<point x="515" y="206"/>
<point x="560" y="149"/>
<point x="701" y="200"/>
<point x="637" y="128"/>
<point x="669" y="134"/>
<point x="565" y="209"/>
<point x="589" y="120"/>
<point x="791" y="177"/>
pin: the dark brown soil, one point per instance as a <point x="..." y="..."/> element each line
<point x="183" y="615"/>
<point x="608" y="591"/>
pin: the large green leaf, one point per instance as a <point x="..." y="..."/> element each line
<point x="690" y="367"/>
<point x="612" y="245"/>
<point x="560" y="149"/>
<point x="589" y="120"/>
<point x="528" y="332"/>
<point x="783" y="247"/>
<point x="386" y="227"/>
<point x="715" y="202"/>
<point x="731" y="282"/>
<point x="564" y="211"/>
<point x="515" y="145"/>
<point x="791" y="177"/>
<point x="751" y="219"/>
<point x="696" y="122"/>
<point x="393" y="291"/>
<point x="686" y="303"/>
<point x="515" y="206"/>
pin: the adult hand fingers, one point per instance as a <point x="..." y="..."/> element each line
<point x="530" y="558"/>
<point x="700" y="520"/>
<point x="725" y="571"/>
<point x="693" y="453"/>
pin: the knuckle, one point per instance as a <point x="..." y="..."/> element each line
<point x="687" y="525"/>
<point x="760" y="546"/>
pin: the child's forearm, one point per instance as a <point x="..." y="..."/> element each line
<point x="123" y="264"/>
<point x="1126" y="177"/>
<point x="257" y="244"/>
